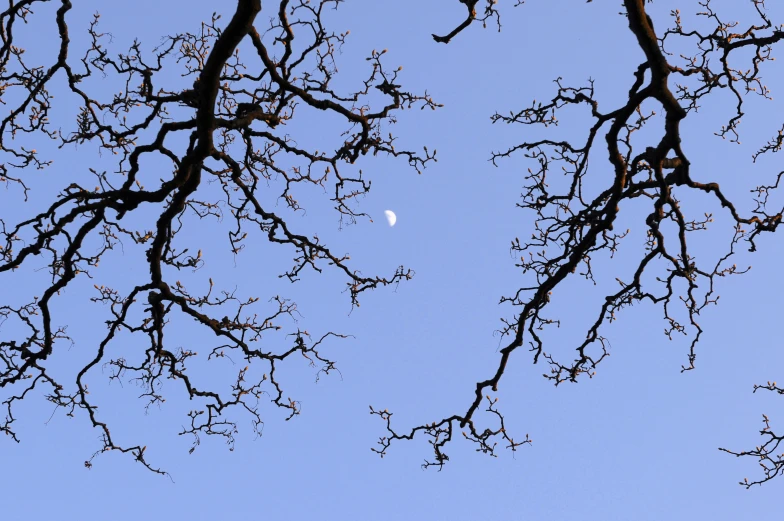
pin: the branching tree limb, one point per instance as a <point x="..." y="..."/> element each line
<point x="221" y="139"/>
<point x="226" y="128"/>
<point x="575" y="220"/>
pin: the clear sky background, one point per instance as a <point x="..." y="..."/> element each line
<point x="639" y="441"/>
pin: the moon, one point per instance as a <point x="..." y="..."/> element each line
<point x="391" y="217"/>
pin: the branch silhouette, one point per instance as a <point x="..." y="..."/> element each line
<point x="572" y="228"/>
<point x="222" y="138"/>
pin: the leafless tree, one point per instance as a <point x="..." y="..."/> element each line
<point x="577" y="209"/>
<point x="222" y="136"/>
<point x="219" y="130"/>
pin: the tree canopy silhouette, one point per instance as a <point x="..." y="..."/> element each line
<point x="222" y="139"/>
<point x="577" y="205"/>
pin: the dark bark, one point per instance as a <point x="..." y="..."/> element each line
<point x="571" y="230"/>
<point x="230" y="115"/>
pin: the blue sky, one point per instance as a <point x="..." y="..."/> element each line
<point x="639" y="441"/>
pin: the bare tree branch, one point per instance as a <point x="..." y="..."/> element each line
<point x="227" y="129"/>
<point x="572" y="227"/>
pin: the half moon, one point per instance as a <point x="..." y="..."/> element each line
<point x="391" y="217"/>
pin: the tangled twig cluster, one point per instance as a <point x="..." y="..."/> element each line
<point x="575" y="220"/>
<point x="225" y="128"/>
